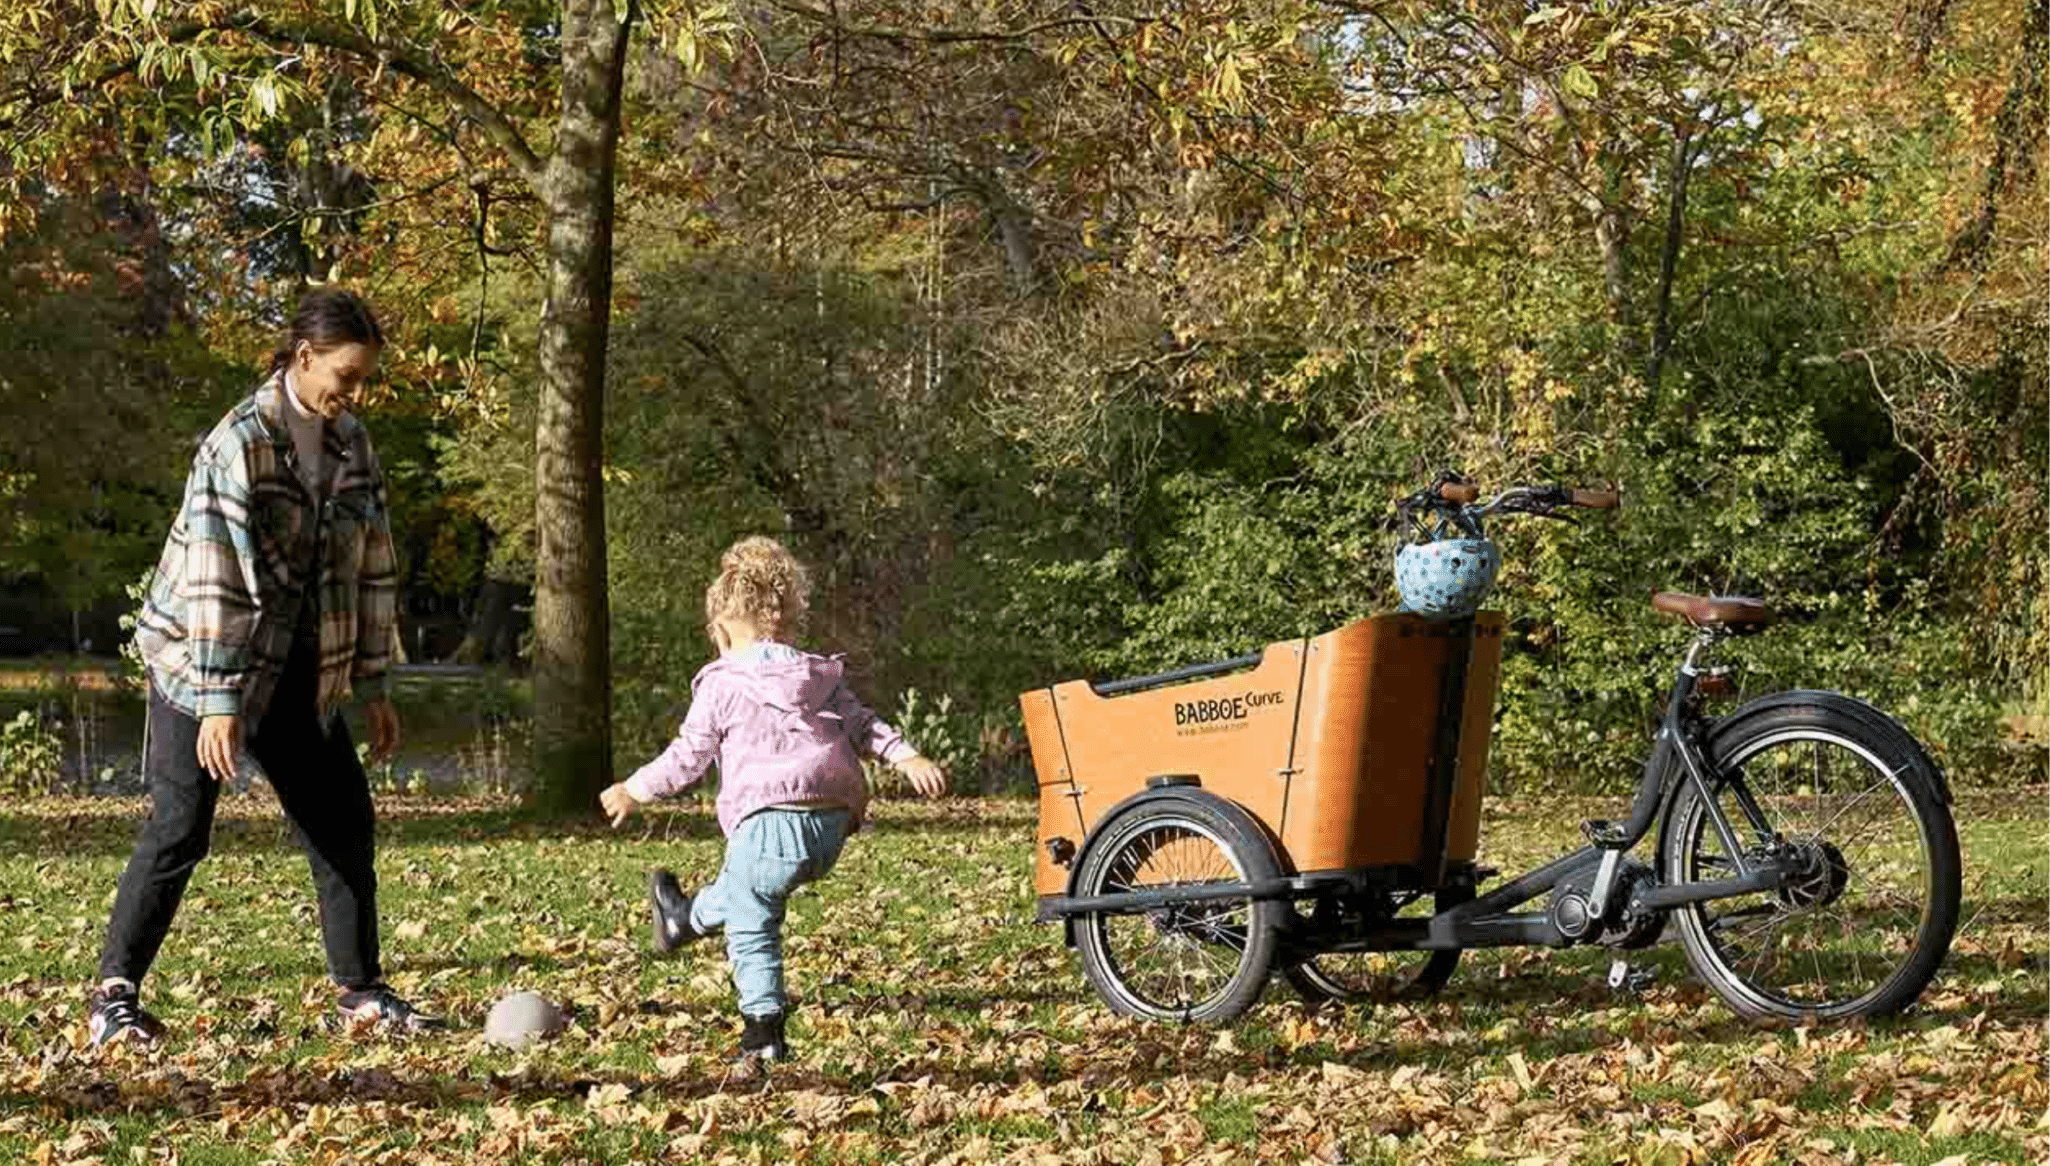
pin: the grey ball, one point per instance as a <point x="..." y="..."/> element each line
<point x="521" y="1019"/>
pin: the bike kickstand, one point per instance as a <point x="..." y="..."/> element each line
<point x="1623" y="980"/>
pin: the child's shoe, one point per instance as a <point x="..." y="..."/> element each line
<point x="116" y="1014"/>
<point x="669" y="908"/>
<point x="761" y="1038"/>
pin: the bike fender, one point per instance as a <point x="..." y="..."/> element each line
<point x="1871" y="716"/>
<point x="1921" y="768"/>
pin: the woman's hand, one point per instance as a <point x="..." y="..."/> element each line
<point x="926" y="777"/>
<point x="619" y="803"/>
<point x="220" y="739"/>
<point x="384" y="727"/>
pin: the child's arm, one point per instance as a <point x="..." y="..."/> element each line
<point x="875" y="736"/>
<point x="676" y="768"/>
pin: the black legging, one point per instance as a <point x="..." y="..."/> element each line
<point x="324" y="792"/>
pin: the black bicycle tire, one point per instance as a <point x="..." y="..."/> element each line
<point x="1900" y="759"/>
<point x="1428" y="981"/>
<point x="1255" y="860"/>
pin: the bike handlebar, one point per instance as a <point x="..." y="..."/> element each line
<point x="1451" y="492"/>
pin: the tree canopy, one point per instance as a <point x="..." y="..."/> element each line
<point x="1089" y="338"/>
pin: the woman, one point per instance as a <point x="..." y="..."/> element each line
<point x="274" y="599"/>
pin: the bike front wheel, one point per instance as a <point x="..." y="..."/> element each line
<point x="1867" y="914"/>
<point x="1200" y="961"/>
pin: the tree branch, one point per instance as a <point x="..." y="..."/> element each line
<point x="436" y="76"/>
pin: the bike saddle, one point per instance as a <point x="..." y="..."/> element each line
<point x="1735" y="614"/>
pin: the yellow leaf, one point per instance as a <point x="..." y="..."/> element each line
<point x="1947" y="1124"/>
<point x="1521" y="1070"/>
<point x="1717" y="1110"/>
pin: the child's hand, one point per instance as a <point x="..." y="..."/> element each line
<point x="926" y="777"/>
<point x="619" y="804"/>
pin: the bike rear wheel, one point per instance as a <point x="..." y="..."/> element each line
<point x="1356" y="977"/>
<point x="1863" y="924"/>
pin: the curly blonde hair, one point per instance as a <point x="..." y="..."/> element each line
<point x="762" y="583"/>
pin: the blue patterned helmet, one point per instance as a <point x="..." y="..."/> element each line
<point x="1448" y="578"/>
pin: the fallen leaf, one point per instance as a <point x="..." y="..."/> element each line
<point x="1521" y="1070"/>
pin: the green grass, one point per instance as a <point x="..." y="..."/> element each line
<point x="935" y="1018"/>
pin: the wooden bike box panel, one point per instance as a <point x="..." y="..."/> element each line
<point x="1371" y="695"/>
<point x="1232" y="733"/>
<point x="1327" y="742"/>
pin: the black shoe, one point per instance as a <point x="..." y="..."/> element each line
<point x="669" y="910"/>
<point x="116" y="1014"/>
<point x="379" y="1005"/>
<point x="761" y="1038"/>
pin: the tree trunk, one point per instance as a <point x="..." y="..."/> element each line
<point x="485" y="641"/>
<point x="1669" y="264"/>
<point x="572" y="614"/>
<point x="1612" y="234"/>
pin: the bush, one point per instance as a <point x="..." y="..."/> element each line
<point x="31" y="754"/>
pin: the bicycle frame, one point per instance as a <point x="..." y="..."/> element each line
<point x="1491" y="921"/>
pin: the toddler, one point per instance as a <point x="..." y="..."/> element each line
<point x="787" y="735"/>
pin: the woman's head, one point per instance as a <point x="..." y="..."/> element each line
<point x="762" y="590"/>
<point x="330" y="350"/>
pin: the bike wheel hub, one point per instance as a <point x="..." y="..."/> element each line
<point x="1817" y="877"/>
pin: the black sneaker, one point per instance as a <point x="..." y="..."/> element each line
<point x="116" y="1014"/>
<point x="379" y="1005"/>
<point x="669" y="911"/>
<point x="761" y="1038"/>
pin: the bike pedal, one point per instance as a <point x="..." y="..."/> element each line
<point x="1623" y="979"/>
<point x="1605" y="834"/>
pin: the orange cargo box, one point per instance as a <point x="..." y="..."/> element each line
<point x="1329" y="741"/>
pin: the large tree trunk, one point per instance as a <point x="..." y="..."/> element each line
<point x="572" y="615"/>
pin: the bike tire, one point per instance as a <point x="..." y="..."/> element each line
<point x="1884" y="949"/>
<point x="1227" y="944"/>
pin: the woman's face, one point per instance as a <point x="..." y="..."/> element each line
<point x="328" y="380"/>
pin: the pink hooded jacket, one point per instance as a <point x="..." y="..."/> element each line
<point x="783" y="727"/>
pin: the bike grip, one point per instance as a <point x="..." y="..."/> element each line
<point x="1592" y="499"/>
<point x="1455" y="492"/>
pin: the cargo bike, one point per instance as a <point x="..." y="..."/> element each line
<point x="1313" y="810"/>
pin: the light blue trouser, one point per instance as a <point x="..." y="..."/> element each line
<point x="771" y="854"/>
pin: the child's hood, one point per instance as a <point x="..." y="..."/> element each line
<point x="802" y="684"/>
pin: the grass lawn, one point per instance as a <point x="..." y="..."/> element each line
<point x="936" y="1023"/>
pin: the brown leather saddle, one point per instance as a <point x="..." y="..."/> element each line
<point x="1735" y="614"/>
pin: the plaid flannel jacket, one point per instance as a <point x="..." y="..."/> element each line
<point x="248" y="549"/>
